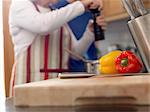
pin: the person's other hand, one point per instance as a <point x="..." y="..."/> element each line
<point x="100" y="20"/>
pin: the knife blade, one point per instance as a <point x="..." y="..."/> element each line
<point x="129" y="7"/>
<point x="140" y="7"/>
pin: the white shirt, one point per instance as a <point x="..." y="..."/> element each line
<point x="26" y="23"/>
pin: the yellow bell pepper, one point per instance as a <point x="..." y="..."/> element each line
<point x="107" y="63"/>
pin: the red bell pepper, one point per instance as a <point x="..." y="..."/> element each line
<point x="127" y="62"/>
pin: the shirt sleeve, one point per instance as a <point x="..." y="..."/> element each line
<point x="81" y="46"/>
<point x="25" y="16"/>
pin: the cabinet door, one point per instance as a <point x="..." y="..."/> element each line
<point x="8" y="46"/>
<point x="147" y="3"/>
<point x="114" y="10"/>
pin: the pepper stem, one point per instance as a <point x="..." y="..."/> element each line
<point x="124" y="62"/>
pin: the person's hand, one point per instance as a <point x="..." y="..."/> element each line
<point x="100" y="21"/>
<point x="100" y="4"/>
<point x="93" y="4"/>
<point x="90" y="4"/>
<point x="87" y="3"/>
<point x="96" y="4"/>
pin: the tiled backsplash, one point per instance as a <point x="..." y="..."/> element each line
<point x="117" y="33"/>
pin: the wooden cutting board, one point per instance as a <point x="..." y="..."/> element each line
<point x="85" y="91"/>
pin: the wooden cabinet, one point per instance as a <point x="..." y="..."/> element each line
<point x="114" y="9"/>
<point x="8" y="46"/>
<point x="147" y="3"/>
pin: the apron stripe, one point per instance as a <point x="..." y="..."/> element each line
<point x="24" y="70"/>
<point x="42" y="57"/>
<point x="46" y="56"/>
<point x="70" y="48"/>
<point x="50" y="54"/>
<point x="32" y="62"/>
<point x="70" y="42"/>
<point x="28" y="64"/>
<point x="20" y="70"/>
<point x="53" y="54"/>
<point x="54" y="70"/>
<point x="37" y="59"/>
<point x="61" y="48"/>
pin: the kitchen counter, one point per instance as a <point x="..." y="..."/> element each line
<point x="99" y="90"/>
<point x="9" y="107"/>
<point x="125" y="83"/>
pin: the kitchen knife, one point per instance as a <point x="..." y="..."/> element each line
<point x="128" y="4"/>
<point x="140" y="7"/>
<point x="75" y="75"/>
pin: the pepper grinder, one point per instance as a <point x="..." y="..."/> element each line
<point x="98" y="32"/>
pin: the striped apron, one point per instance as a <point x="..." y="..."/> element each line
<point x="43" y="59"/>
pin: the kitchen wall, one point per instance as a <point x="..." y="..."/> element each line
<point x="117" y="33"/>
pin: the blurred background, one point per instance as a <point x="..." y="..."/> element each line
<point x="117" y="34"/>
